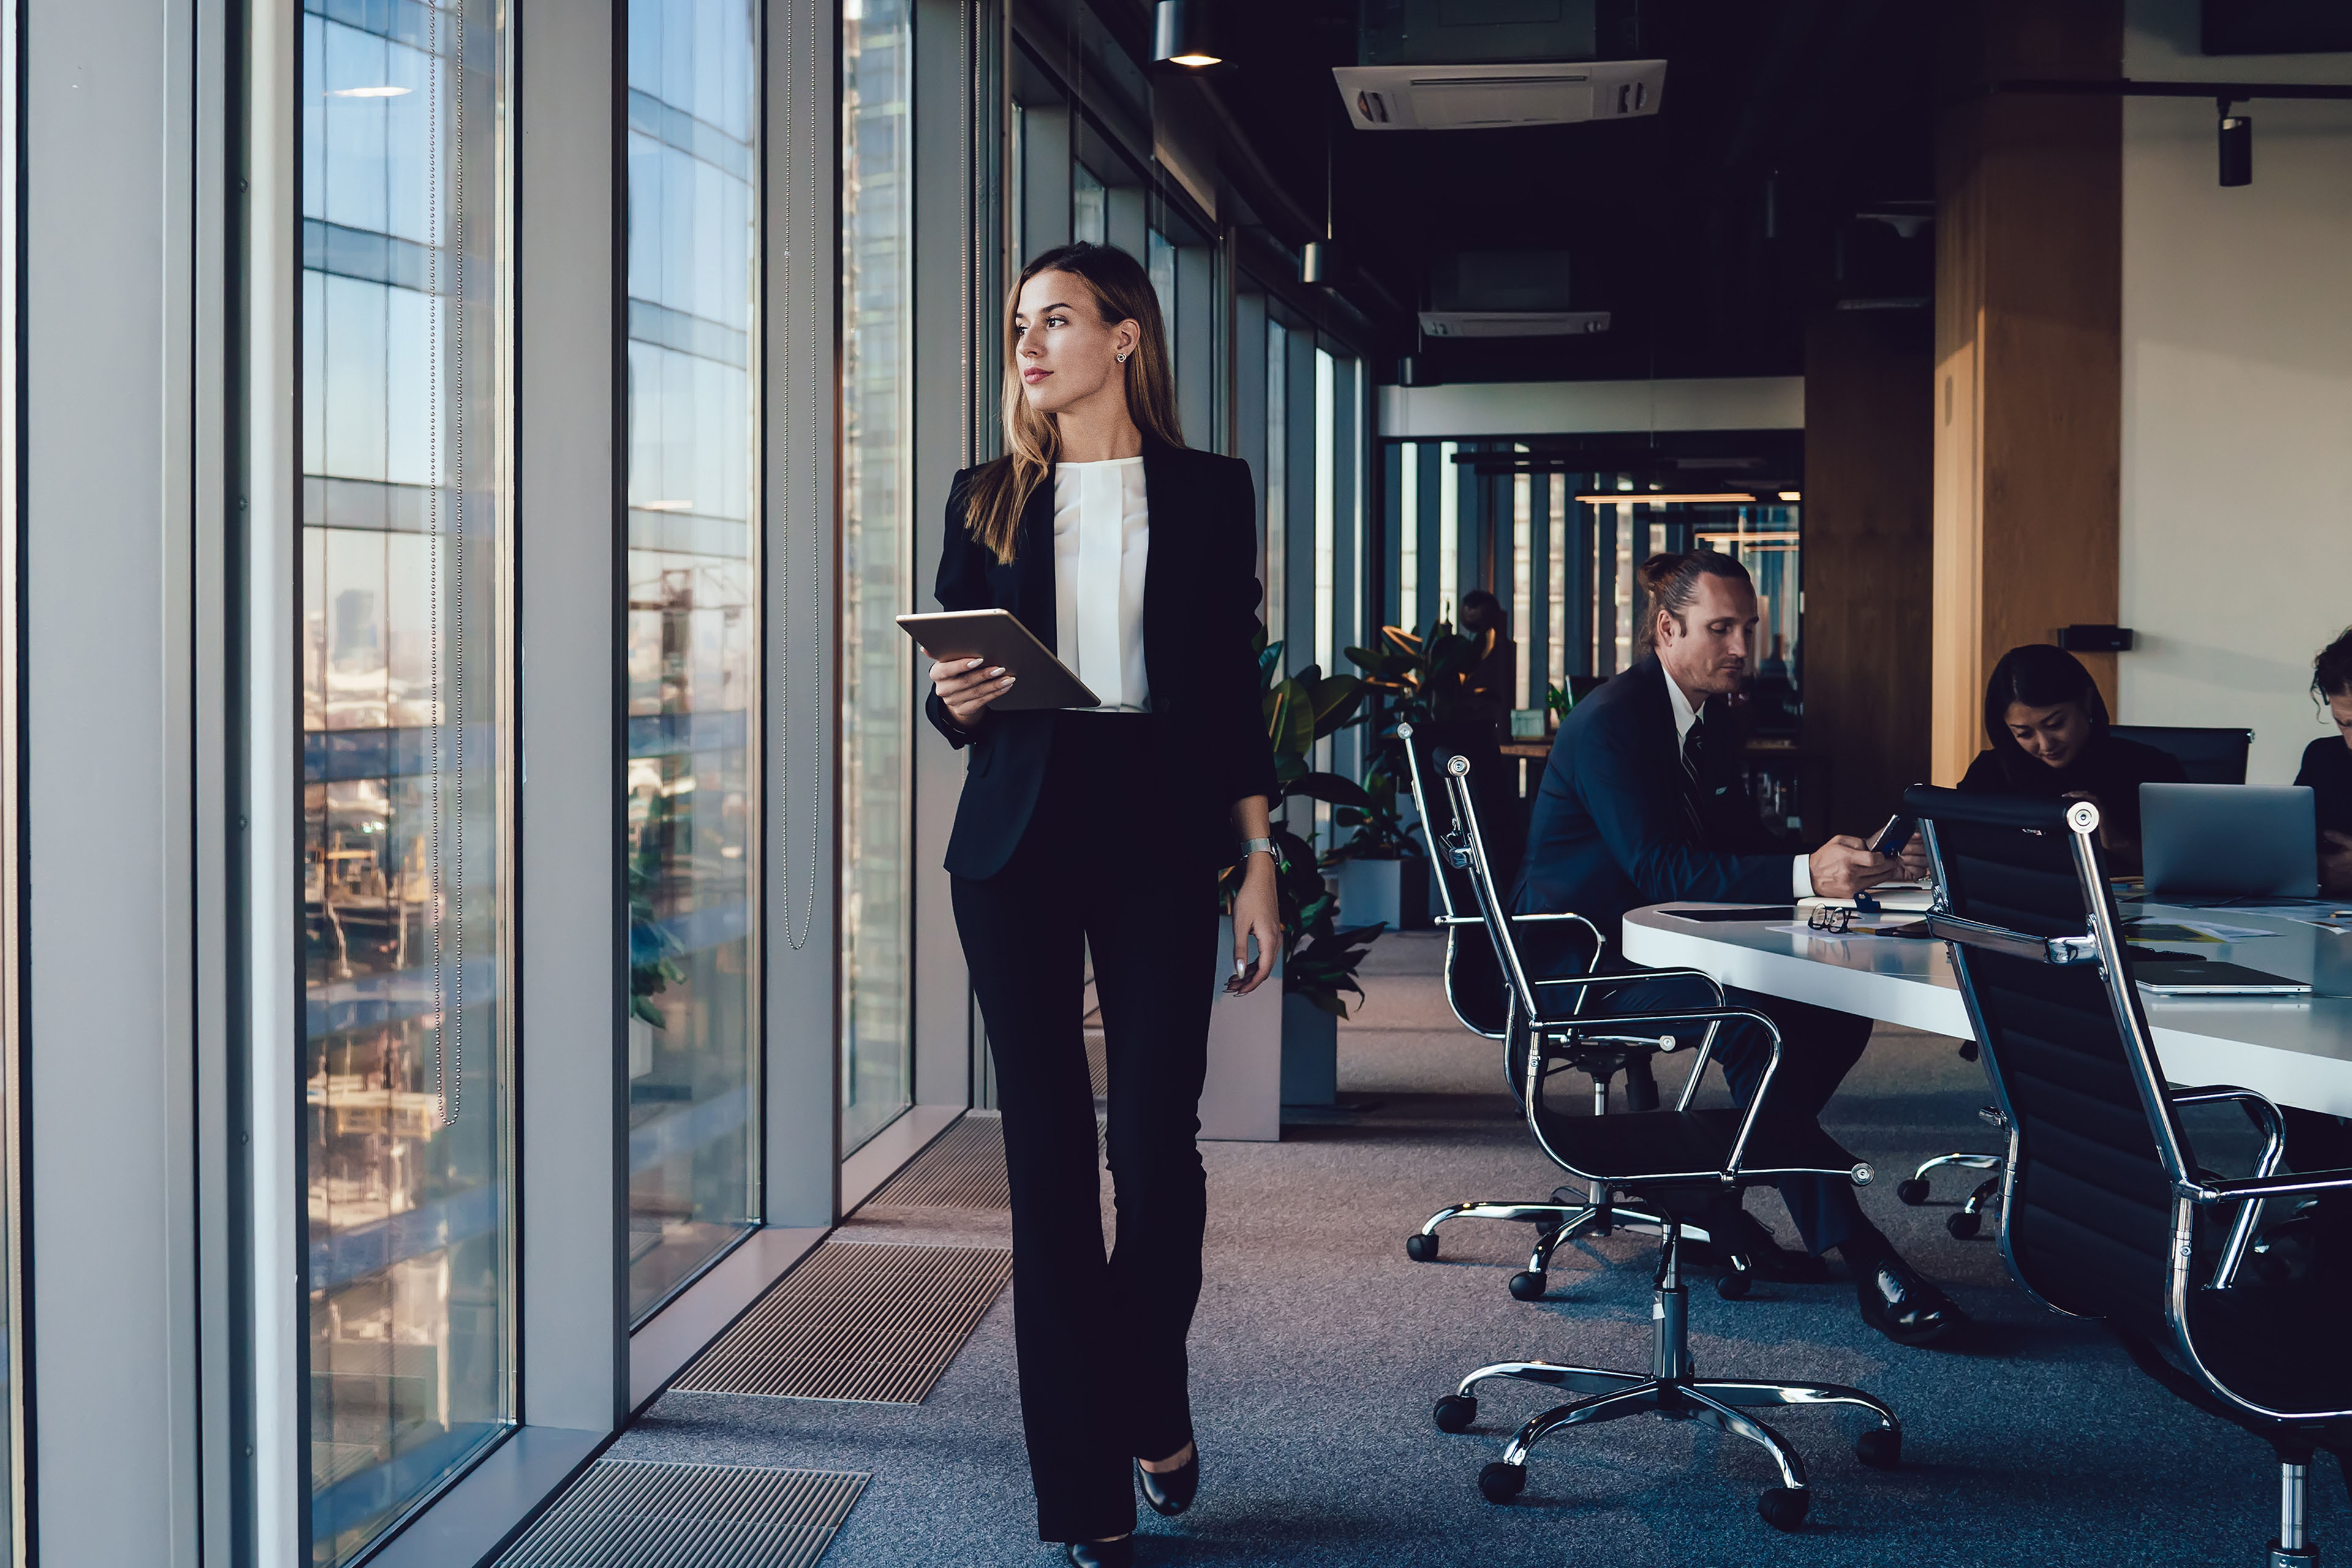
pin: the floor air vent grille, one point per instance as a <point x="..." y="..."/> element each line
<point x="623" y="1513"/>
<point x="856" y="1321"/>
<point x="964" y="1169"/>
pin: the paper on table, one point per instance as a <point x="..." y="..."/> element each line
<point x="2190" y="930"/>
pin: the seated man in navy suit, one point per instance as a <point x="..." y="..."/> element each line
<point x="1641" y="804"/>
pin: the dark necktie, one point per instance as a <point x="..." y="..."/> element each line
<point x="1691" y="796"/>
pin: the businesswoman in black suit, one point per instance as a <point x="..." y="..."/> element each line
<point x="2047" y="736"/>
<point x="1103" y="831"/>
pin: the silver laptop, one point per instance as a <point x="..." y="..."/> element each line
<point x="2229" y="840"/>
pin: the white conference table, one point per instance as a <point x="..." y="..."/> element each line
<point x="2296" y="1051"/>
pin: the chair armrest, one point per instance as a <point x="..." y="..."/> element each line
<point x="2300" y="1184"/>
<point x="1712" y="1017"/>
<point x="2273" y="1126"/>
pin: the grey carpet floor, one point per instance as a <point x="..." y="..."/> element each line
<point x="1319" y="1347"/>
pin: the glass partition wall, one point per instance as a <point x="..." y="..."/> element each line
<point x="406" y="740"/>
<point x="693" y="635"/>
<point x="877" y="665"/>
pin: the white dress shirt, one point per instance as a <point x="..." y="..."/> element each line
<point x="1685" y="717"/>
<point x="1102" y="539"/>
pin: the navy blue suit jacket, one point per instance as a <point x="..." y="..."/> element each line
<point x="1200" y="614"/>
<point x="1610" y="832"/>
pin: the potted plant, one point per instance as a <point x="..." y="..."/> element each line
<point x="1419" y="679"/>
<point x="1319" y="956"/>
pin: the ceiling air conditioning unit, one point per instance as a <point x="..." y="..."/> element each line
<point x="1491" y="97"/>
<point x="1513" y="323"/>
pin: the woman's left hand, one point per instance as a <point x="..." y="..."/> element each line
<point x="1255" y="914"/>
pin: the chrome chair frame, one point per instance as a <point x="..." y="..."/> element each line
<point x="1558" y="1222"/>
<point x="1671" y="1388"/>
<point x="2193" y="1190"/>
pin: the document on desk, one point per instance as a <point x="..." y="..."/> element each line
<point x="2190" y="930"/>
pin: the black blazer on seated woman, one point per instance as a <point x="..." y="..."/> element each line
<point x="1200" y="616"/>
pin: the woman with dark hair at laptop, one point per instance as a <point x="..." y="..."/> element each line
<point x="2327" y="765"/>
<point x="2048" y="733"/>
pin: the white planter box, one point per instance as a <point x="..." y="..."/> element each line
<point x="1310" y="1054"/>
<point x="1395" y="893"/>
<point x="1242" y="1099"/>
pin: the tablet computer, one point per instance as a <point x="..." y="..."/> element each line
<point x="2175" y="978"/>
<point x="998" y="637"/>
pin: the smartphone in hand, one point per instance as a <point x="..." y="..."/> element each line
<point x="1891" y="839"/>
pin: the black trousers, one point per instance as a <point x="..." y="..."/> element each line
<point x="1818" y="1048"/>
<point x="1100" y="1341"/>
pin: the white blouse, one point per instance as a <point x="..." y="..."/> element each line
<point x="1102" y="537"/>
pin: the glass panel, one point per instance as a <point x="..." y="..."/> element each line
<point x="878" y="669"/>
<point x="1409" y="537"/>
<point x="1277" y="479"/>
<point x="1449" y="529"/>
<point x="1089" y="207"/>
<point x="404" y="743"/>
<point x="1160" y="261"/>
<point x="693" y="641"/>
<point x="1327" y="442"/>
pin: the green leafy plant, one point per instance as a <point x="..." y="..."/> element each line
<point x="1319" y="956"/>
<point x="1557" y="700"/>
<point x="1424" y="678"/>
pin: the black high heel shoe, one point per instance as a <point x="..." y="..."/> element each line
<point x="1120" y="1553"/>
<point x="1171" y="1492"/>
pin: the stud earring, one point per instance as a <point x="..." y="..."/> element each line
<point x="1122" y="359"/>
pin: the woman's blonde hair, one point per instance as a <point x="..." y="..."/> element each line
<point x="1123" y="292"/>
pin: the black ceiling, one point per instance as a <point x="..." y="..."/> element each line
<point x="1709" y="231"/>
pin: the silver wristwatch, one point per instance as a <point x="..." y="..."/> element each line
<point x="1261" y="847"/>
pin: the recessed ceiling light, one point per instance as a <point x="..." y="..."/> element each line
<point x="1792" y="495"/>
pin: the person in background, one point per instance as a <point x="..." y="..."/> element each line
<point x="2048" y="731"/>
<point x="1494" y="685"/>
<point x="2327" y="766"/>
<point x="1642" y="804"/>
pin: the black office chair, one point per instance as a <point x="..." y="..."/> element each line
<point x="2108" y="1214"/>
<point x="1480" y="996"/>
<point x="2210" y="755"/>
<point x="1679" y="1162"/>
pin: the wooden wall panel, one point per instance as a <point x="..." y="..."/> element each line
<point x="1869" y="564"/>
<point x="2029" y="388"/>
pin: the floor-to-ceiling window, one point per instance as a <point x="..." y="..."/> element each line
<point x="693" y="644"/>
<point x="406" y="753"/>
<point x="878" y="672"/>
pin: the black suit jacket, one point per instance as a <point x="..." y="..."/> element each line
<point x="1200" y="615"/>
<point x="1610" y="832"/>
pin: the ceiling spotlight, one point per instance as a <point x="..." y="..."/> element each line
<point x="1319" y="264"/>
<point x="1184" y="33"/>
<point x="2237" y="146"/>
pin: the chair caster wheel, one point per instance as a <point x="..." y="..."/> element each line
<point x="1501" y="1482"/>
<point x="1421" y="1246"/>
<point x="1964" y="1225"/>
<point x="1879" y="1449"/>
<point x="1527" y="1286"/>
<point x="1734" y="1283"/>
<point x="1455" y="1412"/>
<point x="1783" y="1507"/>
<point x="1912" y="1190"/>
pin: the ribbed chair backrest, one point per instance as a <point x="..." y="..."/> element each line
<point x="2209" y="755"/>
<point x="1473" y="980"/>
<point x="2089" y="1220"/>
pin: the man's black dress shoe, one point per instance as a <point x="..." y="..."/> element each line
<point x="1903" y="1307"/>
<point x="1171" y="1492"/>
<point x="1120" y="1553"/>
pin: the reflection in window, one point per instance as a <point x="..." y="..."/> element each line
<point x="1160" y="261"/>
<point x="692" y="641"/>
<point x="877" y="670"/>
<point x="1089" y="207"/>
<point x="404" y="730"/>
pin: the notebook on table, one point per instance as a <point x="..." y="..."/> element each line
<point x="2210" y="977"/>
